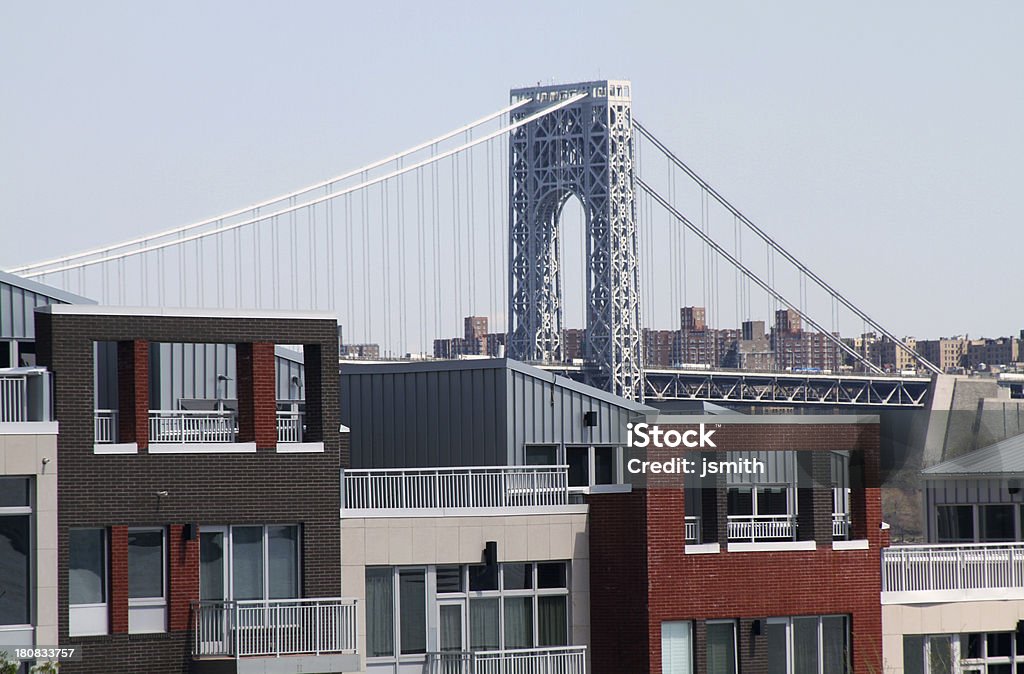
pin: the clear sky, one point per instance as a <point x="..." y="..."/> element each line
<point x="881" y="142"/>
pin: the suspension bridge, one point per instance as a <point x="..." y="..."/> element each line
<point x="559" y="214"/>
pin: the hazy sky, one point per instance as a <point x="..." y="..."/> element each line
<point x="879" y="141"/>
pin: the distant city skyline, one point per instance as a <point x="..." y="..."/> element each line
<point x="881" y="152"/>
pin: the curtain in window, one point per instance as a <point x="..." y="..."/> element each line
<point x="483" y="624"/>
<point x="552" y="629"/>
<point x="145" y="564"/>
<point x="14" y="570"/>
<point x="721" y="648"/>
<point x="450" y="627"/>
<point x="778" y="647"/>
<point x="833" y="644"/>
<point x="518" y="622"/>
<point x="85" y="566"/>
<point x="380" y="613"/>
<point x="283" y="562"/>
<point x="247" y="562"/>
<point x="805" y="646"/>
<point x="412" y="600"/>
<point x="211" y="565"/>
<point x="676" y="648"/>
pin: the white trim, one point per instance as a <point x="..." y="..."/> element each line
<point x="300" y="447"/>
<point x="28" y="428"/>
<point x="702" y="548"/>
<point x="861" y="544"/>
<point x="569" y="509"/>
<point x="772" y="546"/>
<point x="202" y="448"/>
<point x="97" y="310"/>
<point x="116" y="448"/>
<point x="604" y="489"/>
<point x="949" y="596"/>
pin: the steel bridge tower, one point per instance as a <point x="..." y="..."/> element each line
<point x="584" y="149"/>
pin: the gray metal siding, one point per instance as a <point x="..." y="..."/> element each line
<point x="17" y="306"/>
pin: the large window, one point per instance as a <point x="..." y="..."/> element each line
<point x="721" y="647"/>
<point x="676" y="647"/>
<point x="15" y="547"/>
<point x="87" y="582"/>
<point x="147" y="571"/>
<point x="978" y="523"/>
<point x="761" y="512"/>
<point x="248" y="562"/>
<point x="975" y="652"/>
<point x="507" y="606"/>
<point x="808" y="645"/>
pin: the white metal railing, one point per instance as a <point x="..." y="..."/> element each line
<point x="761" y="527"/>
<point x="470" y="487"/>
<point x="840" y="525"/>
<point x="274" y="627"/>
<point x="25" y="395"/>
<point x="692" y="528"/>
<point x="289" y="426"/>
<point x="192" y="426"/>
<point x="914" y="568"/>
<point x="105" y="426"/>
<point x="555" y="660"/>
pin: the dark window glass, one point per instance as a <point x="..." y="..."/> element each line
<point x="833" y="644"/>
<point x="14" y="570"/>
<point x="517" y="576"/>
<point x="449" y="579"/>
<point x="380" y="613"/>
<point x="604" y="465"/>
<point x="772" y="501"/>
<point x="1000" y="644"/>
<point x="913" y="654"/>
<point x="805" y="646"/>
<point x="579" y="466"/>
<point x="552" y="623"/>
<point x="974" y="645"/>
<point x="551" y="575"/>
<point x="247" y="562"/>
<point x="741" y="501"/>
<point x="14" y="491"/>
<point x="955" y="524"/>
<point x="775" y="634"/>
<point x="283" y="561"/>
<point x="483" y="578"/>
<point x="412" y="611"/>
<point x="721" y="648"/>
<point x="145" y="564"/>
<point x="995" y="523"/>
<point x="87" y="577"/>
<point x="1004" y="668"/>
<point x="541" y="455"/>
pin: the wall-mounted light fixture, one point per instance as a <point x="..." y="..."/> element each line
<point x="1013" y="486"/>
<point x="590" y="419"/>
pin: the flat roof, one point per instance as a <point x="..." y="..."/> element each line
<point x="106" y="310"/>
<point x="43" y="289"/>
<point x="1001" y="460"/>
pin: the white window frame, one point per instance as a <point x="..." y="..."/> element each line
<point x="788" y="622"/>
<point x="229" y="552"/>
<point x="147" y="615"/>
<point x="92" y="619"/>
<point x="735" y="641"/>
<point x="618" y="467"/>
<point x="19" y="511"/>
<point x="687" y="667"/>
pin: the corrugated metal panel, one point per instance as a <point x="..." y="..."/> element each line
<point x="425" y="416"/>
<point x="780" y="468"/>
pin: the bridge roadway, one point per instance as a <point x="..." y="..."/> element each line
<point x="777" y="388"/>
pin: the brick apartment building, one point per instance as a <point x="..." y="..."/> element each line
<point x="772" y="577"/>
<point x="235" y="506"/>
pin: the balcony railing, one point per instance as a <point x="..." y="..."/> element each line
<point x="692" y="528"/>
<point x="444" y="488"/>
<point x="24" y="395"/>
<point x="105" y="426"/>
<point x="561" y="660"/>
<point x="274" y="628"/>
<point x="187" y="426"/>
<point x="761" y="527"/>
<point x="840" y="526"/>
<point x="953" y="569"/>
<point x="289" y="426"/>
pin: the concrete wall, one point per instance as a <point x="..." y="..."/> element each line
<point x="400" y="541"/>
<point x="945" y="618"/>
<point x="22" y="454"/>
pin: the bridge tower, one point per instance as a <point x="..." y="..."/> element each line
<point x="584" y="149"/>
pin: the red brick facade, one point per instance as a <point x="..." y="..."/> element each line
<point x="257" y="399"/>
<point x="183" y="572"/>
<point x="133" y="392"/>
<point x="118" y="580"/>
<point x="638" y="563"/>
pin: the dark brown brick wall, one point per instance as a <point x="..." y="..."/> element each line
<point x="121" y="490"/>
<point x="742" y="586"/>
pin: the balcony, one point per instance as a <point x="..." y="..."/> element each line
<point x="289" y="426"/>
<point x="959" y="572"/>
<point x="105" y="427"/>
<point x="299" y="634"/>
<point x="25" y="396"/>
<point x="692" y="528"/>
<point x="504" y="490"/>
<point x="192" y="427"/>
<point x="562" y="660"/>
<point x="752" y="528"/>
<point x="840" y="526"/>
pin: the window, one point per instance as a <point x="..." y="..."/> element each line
<point x="590" y="466"/>
<point x="762" y="512"/>
<point x="676" y="648"/>
<point x="976" y="523"/>
<point x="15" y="547"/>
<point x="541" y="455"/>
<point x="412" y="606"/>
<point x="721" y="647"/>
<point x="995" y="523"/>
<point x="808" y="645"/>
<point x="252" y="562"/>
<point x="87" y="582"/>
<point x="976" y="652"/>
<point x="380" y="616"/>
<point x="147" y="606"/>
